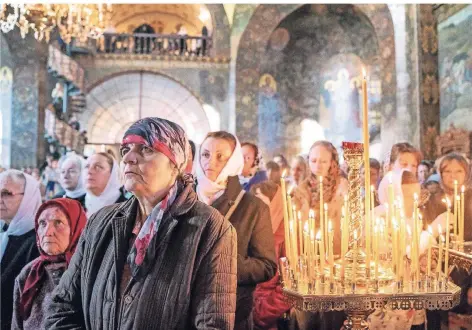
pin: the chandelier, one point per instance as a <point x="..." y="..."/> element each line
<point x="80" y="21"/>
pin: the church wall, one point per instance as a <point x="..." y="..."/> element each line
<point x="455" y="66"/>
<point x="207" y="81"/>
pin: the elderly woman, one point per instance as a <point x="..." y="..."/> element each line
<point x="161" y="260"/>
<point x="58" y="225"/>
<point x="220" y="163"/>
<point x="20" y="198"/>
<point x="102" y="182"/>
<point x="71" y="179"/>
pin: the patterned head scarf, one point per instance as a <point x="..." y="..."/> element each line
<point x="169" y="139"/>
<point x="163" y="136"/>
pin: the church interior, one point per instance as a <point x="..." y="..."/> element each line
<point x="74" y="78"/>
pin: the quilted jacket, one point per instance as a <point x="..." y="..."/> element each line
<point x="192" y="284"/>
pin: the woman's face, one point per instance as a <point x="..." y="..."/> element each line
<point x="146" y="172"/>
<point x="249" y="158"/>
<point x="320" y="161"/>
<point x="297" y="170"/>
<point x="70" y="174"/>
<point x="409" y="191"/>
<point x="214" y="154"/>
<point x="98" y="172"/>
<point x="11" y="195"/>
<point x="53" y="231"/>
<point x="453" y="171"/>
<point x="406" y="160"/>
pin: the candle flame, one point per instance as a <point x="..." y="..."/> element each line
<point x="458" y="198"/>
<point x="321" y="179"/>
<point x="415" y="196"/>
<point x="439" y="229"/>
<point x="355" y="234"/>
<point x="372" y="187"/>
<point x="364" y="73"/>
<point x="390" y="177"/>
<point x="284" y="173"/>
<point x="311" y="214"/>
<point x="291" y="225"/>
<point x="330" y="226"/>
<point x="408" y="229"/>
<point x="462" y="189"/>
<point x="455" y="182"/>
<point x="312" y="235"/>
<point x="289" y="192"/>
<point x="430" y="230"/>
<point x="318" y="235"/>
<point x="299" y="214"/>
<point x="346" y="197"/>
<point x="325" y="207"/>
<point x="306" y="227"/>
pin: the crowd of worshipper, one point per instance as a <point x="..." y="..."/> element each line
<point x="171" y="236"/>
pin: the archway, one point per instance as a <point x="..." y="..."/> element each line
<point x="117" y="102"/>
<point x="257" y="39"/>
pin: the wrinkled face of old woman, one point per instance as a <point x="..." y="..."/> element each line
<point x="146" y="172"/>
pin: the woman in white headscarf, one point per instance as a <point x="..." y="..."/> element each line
<point x="102" y="183"/>
<point x="72" y="178"/>
<point x="20" y="198"/>
<point x="219" y="163"/>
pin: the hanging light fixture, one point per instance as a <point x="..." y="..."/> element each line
<point x="79" y="21"/>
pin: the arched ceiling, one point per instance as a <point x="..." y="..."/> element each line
<point x="127" y="17"/>
<point x="121" y="100"/>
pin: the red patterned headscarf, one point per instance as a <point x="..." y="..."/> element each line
<point x="77" y="220"/>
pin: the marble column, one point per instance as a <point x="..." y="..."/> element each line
<point x="29" y="100"/>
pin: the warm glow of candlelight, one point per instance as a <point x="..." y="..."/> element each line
<point x="439" y="229"/>
<point x="321" y="179"/>
<point x="415" y="197"/>
<point x="330" y="226"/>
<point x="364" y="73"/>
<point x="284" y="173"/>
<point x="390" y="177"/>
<point x="430" y="230"/>
<point x="318" y="235"/>
<point x="462" y="189"/>
<point x="306" y="228"/>
<point x="311" y="214"/>
<point x="408" y="230"/>
<point x="325" y="207"/>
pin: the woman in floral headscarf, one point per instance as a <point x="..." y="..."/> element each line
<point x="161" y="260"/>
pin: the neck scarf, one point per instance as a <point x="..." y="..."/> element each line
<point x="109" y="195"/>
<point x="80" y="189"/>
<point x="77" y="219"/>
<point x="169" y="139"/>
<point x="23" y="221"/>
<point x="208" y="190"/>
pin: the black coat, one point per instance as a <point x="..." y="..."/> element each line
<point x="256" y="249"/>
<point x="19" y="252"/>
<point x="192" y="284"/>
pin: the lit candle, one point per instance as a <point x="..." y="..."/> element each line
<point x="312" y="253"/>
<point x="455" y="218"/>
<point x="284" y="204"/>
<point x="293" y="243"/>
<point x="408" y="230"/>
<point x="415" y="235"/>
<point x="365" y="131"/>
<point x="376" y="252"/>
<point x="306" y="241"/>
<point x="326" y="224"/>
<point x="430" y="240"/>
<point x="390" y="200"/>
<point x="446" y="259"/>
<point x="330" y="251"/>
<point x="321" y="205"/>
<point x="462" y="213"/>
<point x="300" y="232"/>
<point x="317" y="244"/>
<point x="322" y="255"/>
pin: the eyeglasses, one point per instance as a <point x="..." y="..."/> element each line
<point x="9" y="194"/>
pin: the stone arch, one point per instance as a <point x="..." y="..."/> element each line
<point x="221" y="30"/>
<point x="117" y="101"/>
<point x="253" y="44"/>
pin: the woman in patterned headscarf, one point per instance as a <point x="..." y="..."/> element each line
<point x="161" y="260"/>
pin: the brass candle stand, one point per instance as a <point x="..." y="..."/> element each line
<point x="353" y="287"/>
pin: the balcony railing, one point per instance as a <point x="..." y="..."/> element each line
<point x="156" y="44"/>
